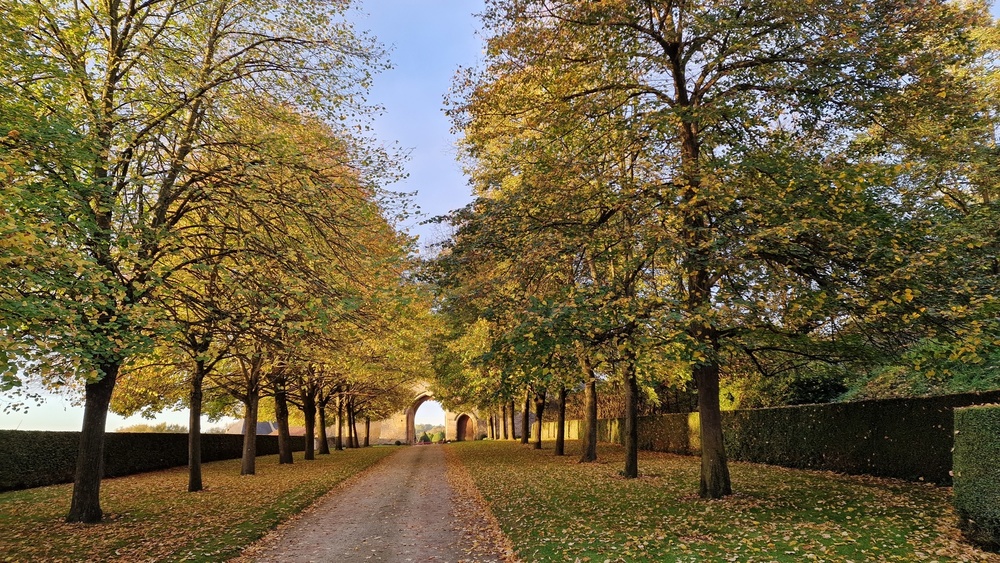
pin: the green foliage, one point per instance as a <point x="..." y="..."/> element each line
<point x="554" y="509"/>
<point x="438" y="436"/>
<point x="977" y="474"/>
<point x="35" y="458"/>
<point x="424" y="439"/>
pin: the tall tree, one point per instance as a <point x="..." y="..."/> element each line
<point x="734" y="131"/>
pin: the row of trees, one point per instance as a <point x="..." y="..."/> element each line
<point x="192" y="211"/>
<point x="669" y="192"/>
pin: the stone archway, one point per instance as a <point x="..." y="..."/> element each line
<point x="465" y="428"/>
<point x="411" y="413"/>
<point x="401" y="428"/>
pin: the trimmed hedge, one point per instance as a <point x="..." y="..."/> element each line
<point x="38" y="458"/>
<point x="902" y="438"/>
<point x="977" y="474"/>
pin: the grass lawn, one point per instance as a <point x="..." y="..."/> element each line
<point x="151" y="517"/>
<point x="555" y="509"/>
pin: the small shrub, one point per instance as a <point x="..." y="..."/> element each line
<point x="425" y="439"/>
<point x="398" y="443"/>
<point x="977" y="474"/>
<point x="438" y="437"/>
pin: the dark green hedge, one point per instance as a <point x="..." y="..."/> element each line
<point x="903" y="438"/>
<point x="36" y="458"/>
<point x="977" y="474"/>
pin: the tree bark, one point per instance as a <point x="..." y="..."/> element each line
<point x="324" y="444"/>
<point x="715" y="481"/>
<point x="368" y="431"/>
<point x="249" y="462"/>
<point x="309" y="410"/>
<point x="85" y="505"/>
<point x="525" y="428"/>
<point x="194" y="430"/>
<point x="340" y="424"/>
<point x="631" y="421"/>
<point x="589" y="430"/>
<point x="561" y="423"/>
<point x="281" y="413"/>
<point x="513" y="427"/>
<point x="539" y="410"/>
<point x="503" y="424"/>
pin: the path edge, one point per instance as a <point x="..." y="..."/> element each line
<point x="488" y="538"/>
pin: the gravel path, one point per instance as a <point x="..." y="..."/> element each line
<point x="403" y="509"/>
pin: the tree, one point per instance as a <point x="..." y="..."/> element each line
<point x="141" y="83"/>
<point x="735" y="130"/>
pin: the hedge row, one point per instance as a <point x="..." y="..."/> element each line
<point x="37" y="458"/>
<point x="977" y="474"/>
<point x="903" y="438"/>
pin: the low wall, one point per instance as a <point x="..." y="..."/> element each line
<point x="38" y="458"/>
<point x="904" y="438"/>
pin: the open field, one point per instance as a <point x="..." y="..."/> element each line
<point x="151" y="516"/>
<point x="555" y="509"/>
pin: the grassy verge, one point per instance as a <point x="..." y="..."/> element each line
<point x="554" y="509"/>
<point x="150" y="517"/>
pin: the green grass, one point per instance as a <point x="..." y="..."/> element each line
<point x="555" y="509"/>
<point x="151" y="517"/>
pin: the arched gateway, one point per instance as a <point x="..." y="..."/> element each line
<point x="400" y="427"/>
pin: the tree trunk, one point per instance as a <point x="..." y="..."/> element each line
<point x="539" y="409"/>
<point x="340" y="425"/>
<point x="86" y="502"/>
<point x="561" y="423"/>
<point x="715" y="482"/>
<point x="513" y="429"/>
<point x="525" y="428"/>
<point x="324" y="444"/>
<point x="631" y="421"/>
<point x="249" y="462"/>
<point x="589" y="430"/>
<point x="194" y="431"/>
<point x="309" y="410"/>
<point x="281" y="413"/>
<point x="368" y="430"/>
<point x="352" y="426"/>
<point x="503" y="422"/>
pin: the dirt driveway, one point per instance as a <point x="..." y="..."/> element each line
<point x="412" y="506"/>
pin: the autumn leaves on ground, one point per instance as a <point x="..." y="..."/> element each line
<point x="551" y="508"/>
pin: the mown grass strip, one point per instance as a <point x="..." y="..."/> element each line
<point x="554" y="509"/>
<point x="151" y="517"/>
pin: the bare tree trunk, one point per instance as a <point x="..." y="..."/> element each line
<point x="561" y="423"/>
<point x="525" y="428"/>
<point x="368" y="431"/>
<point x="539" y="409"/>
<point x="589" y="431"/>
<point x="340" y="424"/>
<point x="352" y="431"/>
<point x="503" y="417"/>
<point x="715" y="481"/>
<point x="631" y="421"/>
<point x="249" y="461"/>
<point x="324" y="444"/>
<point x="194" y="429"/>
<point x="513" y="428"/>
<point x="309" y="410"/>
<point x="86" y="503"/>
<point x="281" y="413"/>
